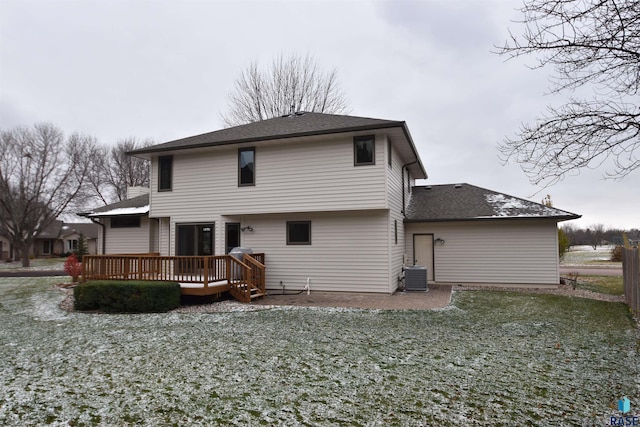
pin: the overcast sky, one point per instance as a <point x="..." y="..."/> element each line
<point x="163" y="69"/>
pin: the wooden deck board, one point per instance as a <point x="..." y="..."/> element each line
<point x="199" y="289"/>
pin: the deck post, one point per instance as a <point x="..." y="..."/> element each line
<point x="206" y="271"/>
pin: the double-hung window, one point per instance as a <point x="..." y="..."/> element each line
<point x="364" y="150"/>
<point x="246" y="166"/>
<point x="165" y="173"/>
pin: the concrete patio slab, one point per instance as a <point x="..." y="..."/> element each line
<point x="438" y="296"/>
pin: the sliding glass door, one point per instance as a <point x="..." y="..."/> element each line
<point x="194" y="239"/>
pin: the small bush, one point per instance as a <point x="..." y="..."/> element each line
<point x="113" y="296"/>
<point x="73" y="267"/>
<point x="616" y="254"/>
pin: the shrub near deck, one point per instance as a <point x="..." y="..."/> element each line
<point x="127" y="296"/>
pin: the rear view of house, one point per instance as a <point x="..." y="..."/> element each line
<point x="330" y="200"/>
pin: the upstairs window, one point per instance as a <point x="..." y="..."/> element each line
<point x="246" y="166"/>
<point x="298" y="232"/>
<point x="364" y="150"/>
<point x="165" y="172"/>
<point x="389" y="154"/>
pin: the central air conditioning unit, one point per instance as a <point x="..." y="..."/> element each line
<point x="415" y="278"/>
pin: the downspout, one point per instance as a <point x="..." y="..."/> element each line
<point x="404" y="167"/>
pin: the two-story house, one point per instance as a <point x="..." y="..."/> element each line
<point x="331" y="201"/>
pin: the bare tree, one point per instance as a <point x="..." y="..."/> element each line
<point x="292" y="84"/>
<point x="595" y="234"/>
<point x="594" y="44"/>
<point x="42" y="175"/>
<point x="113" y="170"/>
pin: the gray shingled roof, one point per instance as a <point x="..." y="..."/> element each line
<point x="52" y="231"/>
<point x="295" y="125"/>
<point x="89" y="230"/>
<point x="134" y="202"/>
<point x="463" y="202"/>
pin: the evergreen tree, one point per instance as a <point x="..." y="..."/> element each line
<point x="82" y="247"/>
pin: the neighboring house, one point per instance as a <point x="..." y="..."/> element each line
<point x="331" y="201"/>
<point x="48" y="241"/>
<point x="5" y="246"/>
<point x="70" y="234"/>
<point x="58" y="238"/>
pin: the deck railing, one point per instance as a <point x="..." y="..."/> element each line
<point x="245" y="276"/>
<point x="257" y="270"/>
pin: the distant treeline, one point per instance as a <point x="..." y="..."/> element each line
<point x="597" y="235"/>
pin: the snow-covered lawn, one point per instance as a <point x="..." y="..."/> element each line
<point x="586" y="255"/>
<point x="492" y="358"/>
<point x="35" y="264"/>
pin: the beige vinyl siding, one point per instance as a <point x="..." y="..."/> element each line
<point x="154" y="235"/>
<point x="291" y="176"/>
<point x="127" y="240"/>
<point x="517" y="252"/>
<point x="164" y="239"/>
<point x="394" y="198"/>
<point x="348" y="251"/>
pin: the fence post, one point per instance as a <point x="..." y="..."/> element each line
<point x="636" y="283"/>
<point x="631" y="279"/>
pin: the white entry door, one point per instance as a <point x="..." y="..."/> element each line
<point x="423" y="253"/>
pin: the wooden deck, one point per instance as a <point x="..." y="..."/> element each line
<point x="197" y="275"/>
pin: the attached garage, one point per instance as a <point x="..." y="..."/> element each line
<point x="467" y="234"/>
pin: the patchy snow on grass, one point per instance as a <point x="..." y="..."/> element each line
<point x="36" y="264"/>
<point x="586" y="255"/>
<point x="492" y="358"/>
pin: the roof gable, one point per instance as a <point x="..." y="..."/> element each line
<point x="464" y="202"/>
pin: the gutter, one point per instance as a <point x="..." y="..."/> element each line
<point x="495" y="218"/>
